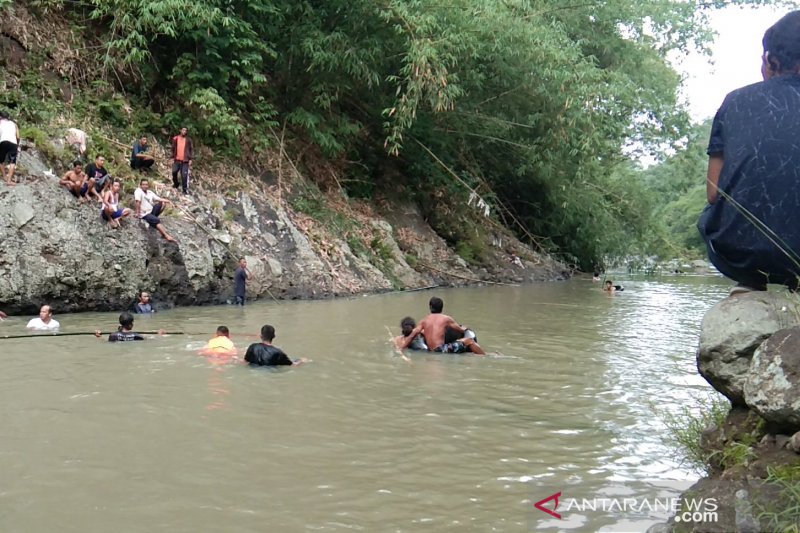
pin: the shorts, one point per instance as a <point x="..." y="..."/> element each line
<point x="8" y="151"/>
<point x="452" y="347"/>
<point x="114" y="216"/>
<point x="101" y="182"/>
<point x="152" y="217"/>
<point x="83" y="191"/>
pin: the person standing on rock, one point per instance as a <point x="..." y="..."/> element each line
<point x="240" y="277"/>
<point x="751" y="225"/>
<point x="45" y="320"/>
<point x="9" y="146"/>
<point x="140" y="159"/>
<point x="182" y="155"/>
<point x="149" y="206"/>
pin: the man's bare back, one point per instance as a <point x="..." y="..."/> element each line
<point x="434" y="327"/>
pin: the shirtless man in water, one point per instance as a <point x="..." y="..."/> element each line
<point x="433" y="328"/>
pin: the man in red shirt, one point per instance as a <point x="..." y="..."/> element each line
<point x="182" y="155"/>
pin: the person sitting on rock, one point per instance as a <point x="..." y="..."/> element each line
<point x="407" y="325"/>
<point x="76" y="182"/>
<point x="111" y="212"/>
<point x="149" y="206"/>
<point x="144" y="305"/>
<point x="140" y="159"/>
<point x="751" y="225"/>
<point x="98" y="177"/>
<point x="45" y="320"/>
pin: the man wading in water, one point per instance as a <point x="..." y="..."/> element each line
<point x="434" y="327"/>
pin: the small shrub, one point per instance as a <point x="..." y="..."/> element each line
<point x="685" y="429"/>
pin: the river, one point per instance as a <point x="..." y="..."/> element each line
<point x="149" y="436"/>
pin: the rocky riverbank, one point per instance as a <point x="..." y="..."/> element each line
<point x="53" y="250"/>
<point x="750" y="352"/>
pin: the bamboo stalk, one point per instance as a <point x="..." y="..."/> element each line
<point x="77" y="333"/>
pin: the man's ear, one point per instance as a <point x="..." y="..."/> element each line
<point x="770" y="66"/>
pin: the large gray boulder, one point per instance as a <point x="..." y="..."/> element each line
<point x="772" y="388"/>
<point x="732" y="330"/>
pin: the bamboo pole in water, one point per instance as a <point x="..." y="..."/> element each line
<point x="76" y="333"/>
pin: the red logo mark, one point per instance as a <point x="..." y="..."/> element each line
<point x="540" y="505"/>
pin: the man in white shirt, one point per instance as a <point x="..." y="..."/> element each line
<point x="9" y="143"/>
<point x="45" y="320"/>
<point x="149" y="206"/>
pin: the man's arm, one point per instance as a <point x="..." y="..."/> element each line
<point x="452" y="324"/>
<point x="411" y="336"/>
<point x="712" y="176"/>
<point x="283" y="359"/>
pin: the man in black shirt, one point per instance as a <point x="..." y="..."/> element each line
<point x="265" y="354"/>
<point x="98" y="178"/>
<point x="751" y="225"/>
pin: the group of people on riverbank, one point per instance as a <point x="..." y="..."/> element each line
<point x="96" y="183"/>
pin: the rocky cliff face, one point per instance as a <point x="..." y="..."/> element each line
<point x="54" y="250"/>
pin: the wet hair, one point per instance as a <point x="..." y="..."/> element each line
<point x="267" y="333"/>
<point x="407" y="325"/>
<point x="223" y="330"/>
<point x="125" y="321"/>
<point x="782" y="44"/>
<point x="4" y="114"/>
<point x="436" y="305"/>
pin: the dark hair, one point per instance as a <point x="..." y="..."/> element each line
<point x="782" y="44"/>
<point x="407" y="325"/>
<point x="3" y="113"/>
<point x="143" y="180"/>
<point x="77" y="163"/>
<point x="125" y="321"/>
<point x="98" y="156"/>
<point x="223" y="330"/>
<point x="436" y="305"/>
<point x="267" y="333"/>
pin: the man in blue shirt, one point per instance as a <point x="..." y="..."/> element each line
<point x="751" y="225"/>
<point x="140" y="159"/>
<point x="240" y="278"/>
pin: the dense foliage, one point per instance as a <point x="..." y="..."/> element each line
<point x="528" y="103"/>
<point x="679" y="184"/>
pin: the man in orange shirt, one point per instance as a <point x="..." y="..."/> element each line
<point x="182" y="155"/>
